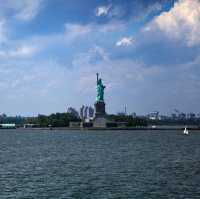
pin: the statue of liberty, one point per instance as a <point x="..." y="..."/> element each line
<point x="100" y="112"/>
<point x="100" y="90"/>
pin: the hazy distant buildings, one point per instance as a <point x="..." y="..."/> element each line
<point x="121" y="114"/>
<point x="91" y="112"/>
<point x="177" y="115"/>
<point x="81" y="114"/>
<point x="173" y="116"/>
<point x="153" y="115"/>
<point x="191" y="116"/>
<point x="73" y="111"/>
<point x="134" y="115"/>
<point x="181" y="116"/>
<point x="86" y="112"/>
<point x="163" y="117"/>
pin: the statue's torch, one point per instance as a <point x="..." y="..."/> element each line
<point x="97" y="77"/>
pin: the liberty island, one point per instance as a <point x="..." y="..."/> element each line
<point x="97" y="118"/>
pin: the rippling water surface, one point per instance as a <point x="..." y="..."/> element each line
<point x="63" y="164"/>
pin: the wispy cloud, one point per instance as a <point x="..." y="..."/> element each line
<point x="24" y="10"/>
<point x="3" y="30"/>
<point x="20" y="52"/>
<point x="121" y="71"/>
<point x="21" y="81"/>
<point x="29" y="9"/>
<point x="73" y="31"/>
<point x="148" y="10"/>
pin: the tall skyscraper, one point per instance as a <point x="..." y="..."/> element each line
<point x="72" y="111"/>
<point x="86" y="112"/>
<point x="82" y="112"/>
<point x="91" y="112"/>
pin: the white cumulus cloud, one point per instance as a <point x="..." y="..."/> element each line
<point x="125" y="41"/>
<point x="102" y="10"/>
<point x="23" y="51"/>
<point x="182" y="22"/>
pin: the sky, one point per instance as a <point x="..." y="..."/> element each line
<point x="146" y="51"/>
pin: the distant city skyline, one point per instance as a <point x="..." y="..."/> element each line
<point x="147" y="53"/>
<point x="87" y="113"/>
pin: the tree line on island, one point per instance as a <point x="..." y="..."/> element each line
<point x="64" y="119"/>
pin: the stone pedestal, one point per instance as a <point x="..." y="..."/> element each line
<point x="99" y="109"/>
<point x="100" y="115"/>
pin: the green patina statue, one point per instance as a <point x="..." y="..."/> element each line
<point x="100" y="90"/>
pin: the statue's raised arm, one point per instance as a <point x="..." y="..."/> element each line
<point x="100" y="89"/>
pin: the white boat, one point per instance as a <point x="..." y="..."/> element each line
<point x="185" y="132"/>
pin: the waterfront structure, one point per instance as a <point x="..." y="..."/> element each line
<point x="30" y="125"/>
<point x="7" y="126"/>
<point x="74" y="124"/>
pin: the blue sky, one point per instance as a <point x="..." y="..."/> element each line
<point x="146" y="51"/>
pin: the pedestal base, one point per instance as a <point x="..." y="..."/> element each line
<point x="99" y="108"/>
<point x="99" y="122"/>
<point x="100" y="115"/>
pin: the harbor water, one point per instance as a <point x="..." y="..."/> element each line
<point x="99" y="164"/>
